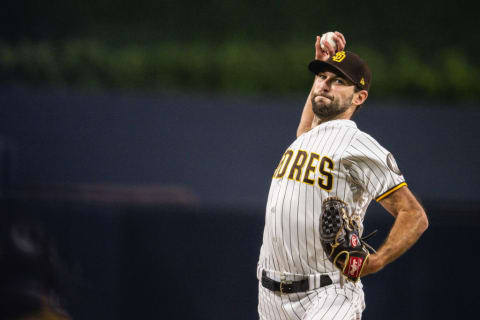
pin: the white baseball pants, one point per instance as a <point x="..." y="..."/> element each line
<point x="332" y="302"/>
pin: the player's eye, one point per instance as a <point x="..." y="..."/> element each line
<point x="339" y="81"/>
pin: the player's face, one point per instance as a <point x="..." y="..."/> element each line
<point x="332" y="94"/>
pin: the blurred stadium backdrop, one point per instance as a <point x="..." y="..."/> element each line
<point x="142" y="136"/>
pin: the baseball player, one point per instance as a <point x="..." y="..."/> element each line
<point x="331" y="157"/>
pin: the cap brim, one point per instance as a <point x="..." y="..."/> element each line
<point x="317" y="66"/>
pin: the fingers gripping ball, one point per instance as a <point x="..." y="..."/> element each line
<point x="340" y="239"/>
<point x="328" y="37"/>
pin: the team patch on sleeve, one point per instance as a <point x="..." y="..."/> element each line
<point x="392" y="164"/>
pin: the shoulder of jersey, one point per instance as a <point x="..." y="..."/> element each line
<point x="306" y="134"/>
<point x="363" y="136"/>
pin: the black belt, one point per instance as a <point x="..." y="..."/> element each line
<point x="292" y="286"/>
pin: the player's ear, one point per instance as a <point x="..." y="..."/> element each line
<point x="360" y="97"/>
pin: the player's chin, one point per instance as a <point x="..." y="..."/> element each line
<point x="321" y="109"/>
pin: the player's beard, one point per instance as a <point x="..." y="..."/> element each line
<point x="329" y="107"/>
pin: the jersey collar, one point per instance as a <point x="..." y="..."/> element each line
<point x="338" y="123"/>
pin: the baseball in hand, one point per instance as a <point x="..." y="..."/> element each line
<point x="329" y="38"/>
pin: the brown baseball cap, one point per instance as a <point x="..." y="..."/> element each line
<point x="349" y="64"/>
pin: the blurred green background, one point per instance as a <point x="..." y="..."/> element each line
<point x="415" y="49"/>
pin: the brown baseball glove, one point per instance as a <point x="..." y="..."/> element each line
<point x="341" y="241"/>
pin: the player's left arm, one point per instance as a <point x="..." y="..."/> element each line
<point x="410" y="222"/>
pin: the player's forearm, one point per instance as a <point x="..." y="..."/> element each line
<point x="407" y="229"/>
<point x="307" y="116"/>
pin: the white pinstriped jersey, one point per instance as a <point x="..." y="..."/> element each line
<point x="333" y="159"/>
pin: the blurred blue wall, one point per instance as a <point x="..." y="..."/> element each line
<point x="222" y="148"/>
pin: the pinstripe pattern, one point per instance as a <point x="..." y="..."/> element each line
<point x="291" y="243"/>
<point x="329" y="303"/>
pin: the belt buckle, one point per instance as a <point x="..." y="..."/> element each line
<point x="282" y="283"/>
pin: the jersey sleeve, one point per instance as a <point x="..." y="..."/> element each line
<point x="373" y="167"/>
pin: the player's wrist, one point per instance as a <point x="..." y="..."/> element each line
<point x="376" y="262"/>
<point x="372" y="265"/>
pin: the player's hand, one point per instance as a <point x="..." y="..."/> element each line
<point x="374" y="264"/>
<point x="320" y="54"/>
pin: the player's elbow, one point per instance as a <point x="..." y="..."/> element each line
<point x="417" y="219"/>
<point x="422" y="220"/>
